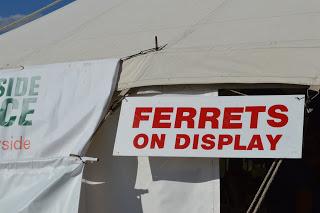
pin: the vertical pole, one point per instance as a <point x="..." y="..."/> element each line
<point x="156" y="43"/>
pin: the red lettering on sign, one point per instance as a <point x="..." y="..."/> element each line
<point x="237" y="145"/>
<point x="224" y="140"/>
<point x="27" y="144"/>
<point x="208" y="142"/>
<point x="156" y="140"/>
<point x="209" y="115"/>
<point x="5" y="145"/>
<point x="273" y="112"/>
<point x="185" y="114"/>
<point x="255" y="143"/>
<point x="195" y="141"/>
<point x="273" y="141"/>
<point x="139" y="145"/>
<point x="162" y="114"/>
<point x="232" y="114"/>
<point x="182" y="141"/>
<point x="255" y="110"/>
<point x="138" y="116"/>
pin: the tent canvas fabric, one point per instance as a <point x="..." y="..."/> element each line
<point x="208" y="41"/>
<point x="48" y="116"/>
<point x="139" y="184"/>
<point x="44" y="186"/>
<point x="150" y="184"/>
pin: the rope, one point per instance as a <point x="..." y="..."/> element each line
<point x="237" y="92"/>
<point x="261" y="187"/>
<point x="143" y="52"/>
<point x="265" y="185"/>
<point x="27" y="17"/>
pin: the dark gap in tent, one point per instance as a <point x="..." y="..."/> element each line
<point x="296" y="187"/>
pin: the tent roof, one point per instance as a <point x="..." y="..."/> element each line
<point x="209" y="41"/>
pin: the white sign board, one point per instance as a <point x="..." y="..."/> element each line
<point x="229" y="126"/>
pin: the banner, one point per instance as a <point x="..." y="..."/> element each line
<point x="52" y="110"/>
<point x="48" y="112"/>
<point x="42" y="186"/>
<point x="240" y="126"/>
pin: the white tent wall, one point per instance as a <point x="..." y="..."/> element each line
<point x="155" y="184"/>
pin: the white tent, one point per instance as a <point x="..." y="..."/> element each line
<point x="207" y="42"/>
<point x="219" y="41"/>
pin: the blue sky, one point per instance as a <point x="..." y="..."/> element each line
<point x="11" y="10"/>
<point x="13" y="7"/>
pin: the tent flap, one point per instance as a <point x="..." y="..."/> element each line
<point x="265" y="65"/>
<point x="38" y="186"/>
<point x="209" y="41"/>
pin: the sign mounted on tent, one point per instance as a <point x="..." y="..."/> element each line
<point x="240" y="126"/>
